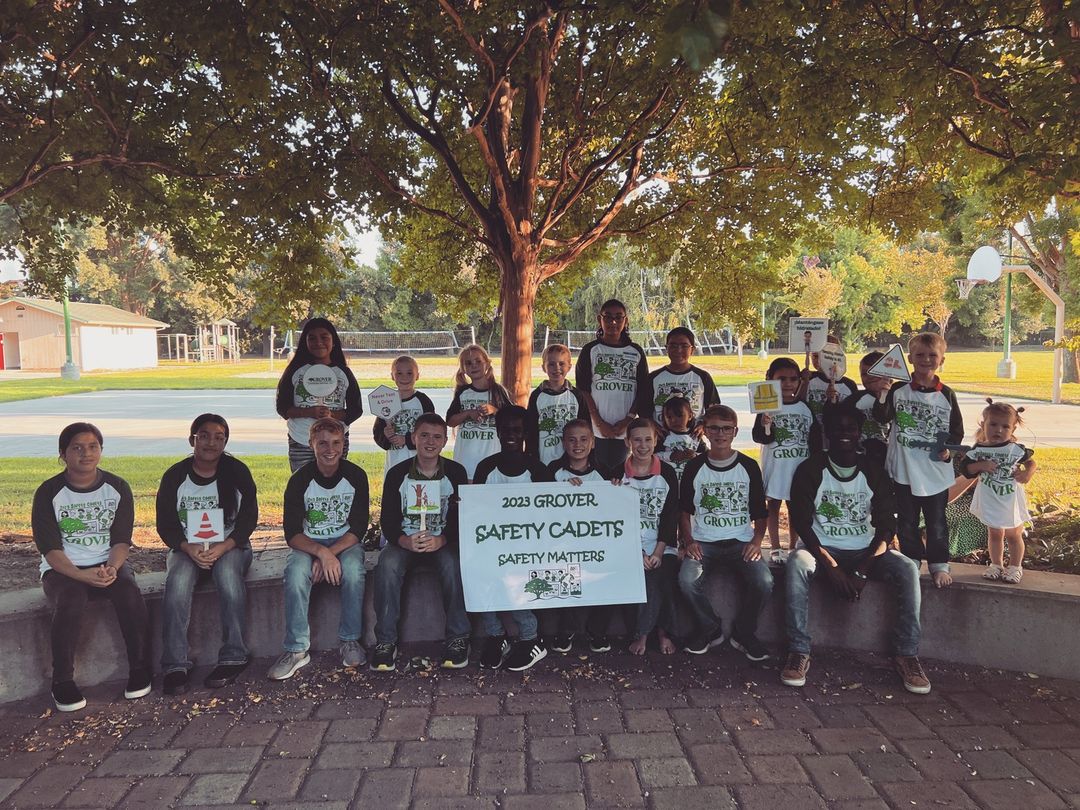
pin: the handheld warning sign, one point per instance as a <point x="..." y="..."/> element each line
<point x="765" y="396"/>
<point x="808" y="334"/>
<point x="423" y="498"/>
<point x="892" y="365"/>
<point x="320" y="381"/>
<point x="833" y="362"/>
<point x="205" y="526"/>
<point x="384" y="402"/>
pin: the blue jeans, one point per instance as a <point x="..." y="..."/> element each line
<point x="524" y="619"/>
<point x="394" y="563"/>
<point x="756" y="578"/>
<point x="298" y="595"/>
<point x="908" y="506"/>
<point x="892" y="567"/>
<point x="183" y="574"/>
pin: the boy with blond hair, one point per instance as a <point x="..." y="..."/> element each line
<point x="921" y="413"/>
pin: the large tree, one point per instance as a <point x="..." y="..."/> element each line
<point x="518" y="137"/>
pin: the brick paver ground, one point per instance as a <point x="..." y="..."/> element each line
<point x="578" y="731"/>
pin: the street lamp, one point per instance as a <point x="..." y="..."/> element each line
<point x="69" y="371"/>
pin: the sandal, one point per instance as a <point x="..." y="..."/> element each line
<point x="1013" y="574"/>
<point x="993" y="571"/>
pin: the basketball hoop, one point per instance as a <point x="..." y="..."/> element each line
<point x="964" y="286"/>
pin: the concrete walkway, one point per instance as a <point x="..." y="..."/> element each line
<point x="578" y="731"/>
<point x="143" y="423"/>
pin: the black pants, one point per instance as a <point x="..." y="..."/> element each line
<point x="908" y="507"/>
<point x="69" y="598"/>
<point x="611" y="453"/>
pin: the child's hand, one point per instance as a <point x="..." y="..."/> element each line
<point x="487" y="409"/>
<point x="683" y="455"/>
<point x="831" y="394"/>
<point x="389" y="431"/>
<point x="575" y="481"/>
<point x="319" y="412"/>
<point x="766" y="420"/>
<point x="397" y="441"/>
<point x="606" y="430"/>
<point x="986" y="465"/>
<point x="1023" y="472"/>
<point x="945" y="455"/>
<point x="752" y="551"/>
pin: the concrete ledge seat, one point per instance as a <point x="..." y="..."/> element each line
<point x="1028" y="627"/>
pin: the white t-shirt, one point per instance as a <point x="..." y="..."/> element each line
<point x="300" y="426"/>
<point x="999" y="500"/>
<point x="475" y="440"/>
<point x="723" y="498"/>
<point x="610" y="375"/>
<point x="788" y="449"/>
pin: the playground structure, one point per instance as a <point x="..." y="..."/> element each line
<point x="216" y="342"/>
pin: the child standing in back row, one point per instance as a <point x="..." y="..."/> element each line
<point x="1003" y="467"/>
<point x="552" y="405"/>
<point x="819" y="389"/>
<point x="394" y="435"/>
<point x="874" y="440"/>
<point x="920" y="414"/>
<point x="786" y="440"/>
<point x="681" y="443"/>
<point x="477" y="398"/>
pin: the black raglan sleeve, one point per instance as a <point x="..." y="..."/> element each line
<point x="686" y="488"/>
<point x="391" y="518"/>
<point x="668" y="529"/>
<point x="710" y="396"/>
<point x="758" y="433"/>
<point x="885" y="412"/>
<point x="582" y="405"/>
<point x="583" y="369"/>
<point x="169" y="527"/>
<point x="455" y="403"/>
<point x="247" y="518"/>
<point x="643" y="397"/>
<point x="286" y="394"/>
<point x="532" y="424"/>
<point x="360" y="513"/>
<point x="758" y="507"/>
<point x="123" y="524"/>
<point x="378" y="435"/>
<point x="458" y="477"/>
<point x="43" y="522"/>
<point x="804" y="487"/>
<point x="483" y="469"/>
<point x="354" y="402"/>
<point x="956" y="418"/>
<point x="293" y="511"/>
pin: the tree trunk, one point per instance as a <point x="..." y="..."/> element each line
<point x="517" y="297"/>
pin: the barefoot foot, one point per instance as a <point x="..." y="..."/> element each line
<point x="942" y="579"/>
<point x="667" y="646"/>
<point x="637" y="646"/>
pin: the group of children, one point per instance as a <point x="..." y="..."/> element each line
<point x="854" y="466"/>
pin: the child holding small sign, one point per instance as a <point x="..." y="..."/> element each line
<point x="394" y="433"/>
<point x="511" y="466"/>
<point x="822" y="387"/>
<point x="209" y="482"/>
<point x="554" y="403"/>
<point x="875" y="435"/>
<point x="419" y="518"/>
<point x="1003" y="467"/>
<point x="787" y="438"/>
<point x="658" y="501"/>
<point x="921" y="413"/>
<point x="477" y="398"/>
<point x="319" y="345"/>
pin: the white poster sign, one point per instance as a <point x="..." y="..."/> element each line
<point x="892" y="365"/>
<point x="548" y="545"/>
<point x="833" y="361"/>
<point x="319" y="381"/>
<point x="384" y="402"/>
<point x="205" y="526"/>
<point x="765" y="396"/>
<point x="807" y="334"/>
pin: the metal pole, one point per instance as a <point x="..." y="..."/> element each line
<point x="271" y="348"/>
<point x="1007" y="367"/>
<point x="69" y="371"/>
<point x="763" y="353"/>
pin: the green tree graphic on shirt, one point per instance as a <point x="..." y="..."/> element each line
<point x="548" y="424"/>
<point x="603" y="368"/>
<point x="830" y="511"/>
<point x="782" y="434"/>
<point x="906" y="421"/>
<point x="70" y="525"/>
<point x="713" y="503"/>
<point x="315" y="517"/>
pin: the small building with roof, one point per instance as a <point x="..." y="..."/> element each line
<point x="103" y="337"/>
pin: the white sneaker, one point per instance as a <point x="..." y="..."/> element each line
<point x="286" y="666"/>
<point x="1013" y="574"/>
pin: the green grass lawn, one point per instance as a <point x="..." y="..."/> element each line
<point x="1054" y="484"/>
<point x="974" y="372"/>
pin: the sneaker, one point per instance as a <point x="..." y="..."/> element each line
<point x="563" y="643"/>
<point x="993" y="571"/>
<point x="496" y="648"/>
<point x="699" y="643"/>
<point x="67" y="697"/>
<point x="526" y="653"/>
<point x="599" y="644"/>
<point x="456" y="653"/>
<point x="384" y="659"/>
<point x="352" y="654"/>
<point x="175" y="682"/>
<point x="224" y="675"/>
<point x="285" y="667"/>
<point x="911" y="672"/>
<point x="753" y="649"/>
<point x="795" y="669"/>
<point x="138" y="684"/>
<point x="1013" y="574"/>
